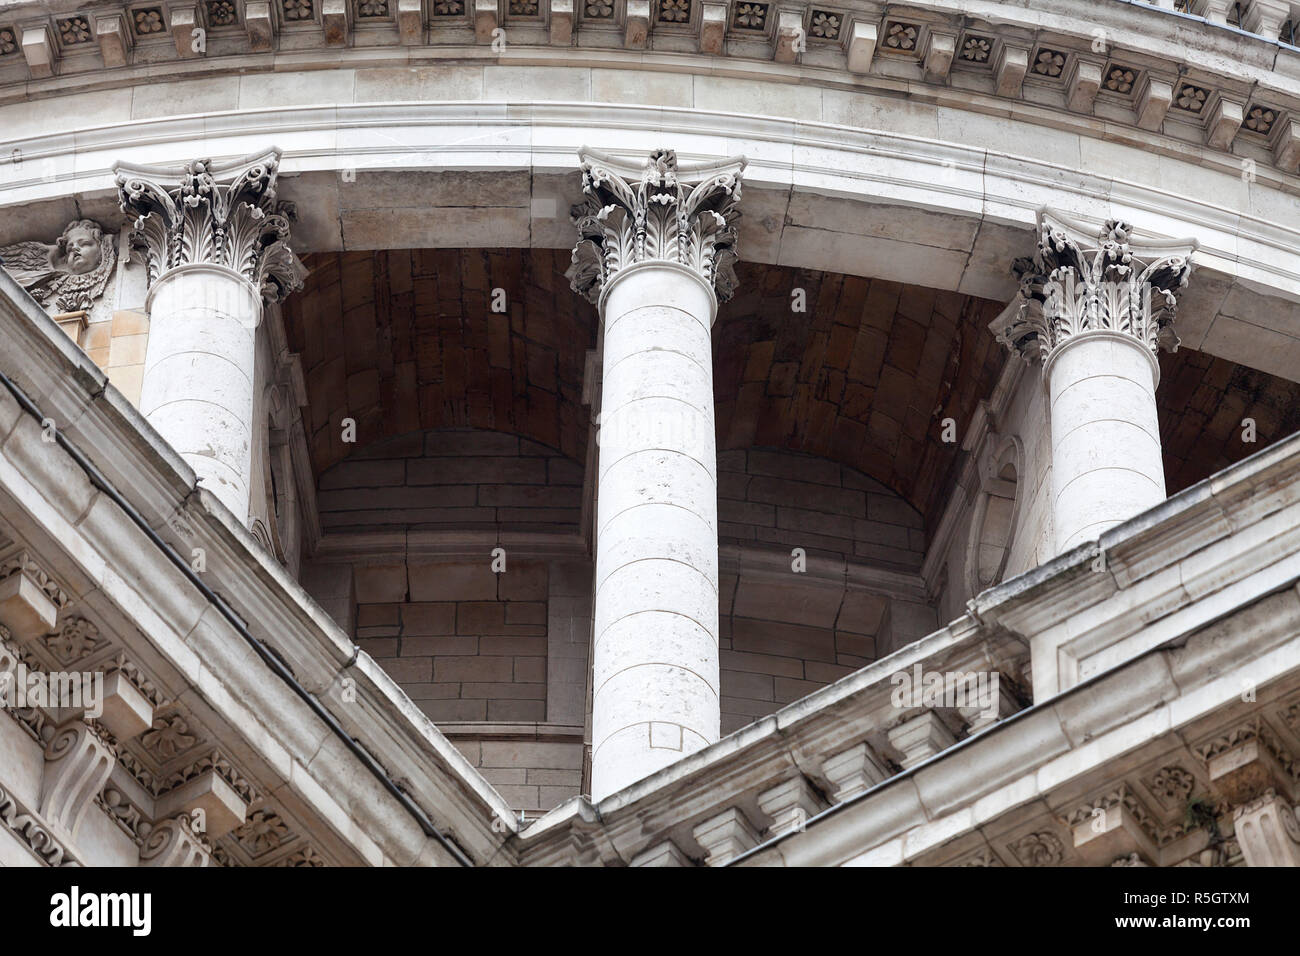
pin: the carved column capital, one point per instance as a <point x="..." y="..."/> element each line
<point x="224" y="214"/>
<point x="657" y="211"/>
<point x="1078" y="282"/>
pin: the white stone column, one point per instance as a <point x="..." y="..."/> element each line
<point x="656" y="242"/>
<point x="216" y="243"/>
<point x="198" y="384"/>
<point x="1094" y="312"/>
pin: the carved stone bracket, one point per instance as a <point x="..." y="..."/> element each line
<point x="220" y="213"/>
<point x="1268" y="831"/>
<point x="77" y="765"/>
<point x="1077" y="283"/>
<point x="658" y="211"/>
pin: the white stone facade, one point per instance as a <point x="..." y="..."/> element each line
<point x="580" y="445"/>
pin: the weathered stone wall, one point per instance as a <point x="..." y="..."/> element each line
<point x="452" y="478"/>
<point x="464" y="643"/>
<point x="767" y="496"/>
<point x="498" y="660"/>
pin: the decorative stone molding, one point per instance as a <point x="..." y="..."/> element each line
<point x="984" y="857"/>
<point x="860" y="46"/>
<point x="28" y="829"/>
<point x="660" y="211"/>
<point x="1076" y="285"/>
<point x="126" y="711"/>
<point x="1172" y="785"/>
<point x="1114" y="825"/>
<point x="263" y="832"/>
<point x="220" y="213"/>
<point x="174" y="843"/>
<point x="1038" y="849"/>
<point x="1247" y="761"/>
<point x="216" y="762"/>
<point x="170" y="736"/>
<point x="921" y="737"/>
<point x="306" y="857"/>
<point x="222" y="809"/>
<point x="69" y="274"/>
<point x="30" y="600"/>
<point x="76" y="640"/>
<point x="114" y="39"/>
<point x="125" y="814"/>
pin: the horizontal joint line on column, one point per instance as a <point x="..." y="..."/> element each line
<point x="656" y="305"/>
<point x="708" y="369"/>
<point x="1056" y="442"/>
<point x="656" y="557"/>
<point x="667" y="451"/>
<point x="194" y="401"/>
<point x="637" y="723"/>
<point x="1095" y="375"/>
<point x="1093" y="471"/>
<point x="645" y="398"/>
<point x="661" y="504"/>
<point x="681" y="667"/>
<point x="1083" y="534"/>
<point x="216" y="355"/>
<point x="653" y="610"/>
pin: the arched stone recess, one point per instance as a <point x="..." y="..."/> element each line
<point x="402" y="340"/>
<point x="882" y="377"/>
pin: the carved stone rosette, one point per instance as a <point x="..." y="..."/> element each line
<point x="220" y="213"/>
<point x="660" y="211"/>
<point x="1076" y="284"/>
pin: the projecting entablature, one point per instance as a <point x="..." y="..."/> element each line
<point x="1138" y="69"/>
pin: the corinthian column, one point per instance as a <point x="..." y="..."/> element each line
<point x="216" y="244"/>
<point x="1094" y="311"/>
<point x="655" y="253"/>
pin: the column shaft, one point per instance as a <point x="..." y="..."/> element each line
<point x="198" y="380"/>
<point x="655" y="252"/>
<point x="1106" y="462"/>
<point x="655" y="657"/>
<point x="216" y="244"/>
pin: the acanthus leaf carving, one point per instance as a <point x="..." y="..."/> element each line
<point x="224" y="214"/>
<point x="1111" y="283"/>
<point x="662" y="211"/>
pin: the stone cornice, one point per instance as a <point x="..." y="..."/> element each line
<point x="794" y="741"/>
<point x="1107" y="60"/>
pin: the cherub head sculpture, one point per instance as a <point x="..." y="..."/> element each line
<point x="68" y="275"/>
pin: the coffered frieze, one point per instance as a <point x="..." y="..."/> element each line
<point x="1109" y="64"/>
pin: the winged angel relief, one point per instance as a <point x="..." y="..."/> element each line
<point x="68" y="275"/>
